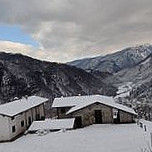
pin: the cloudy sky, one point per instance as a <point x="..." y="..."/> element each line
<point x="65" y="30"/>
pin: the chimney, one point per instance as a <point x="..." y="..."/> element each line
<point x="26" y="97"/>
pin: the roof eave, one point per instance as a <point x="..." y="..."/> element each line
<point x="69" y="112"/>
<point x="13" y="115"/>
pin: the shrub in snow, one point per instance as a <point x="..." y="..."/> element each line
<point x="42" y="132"/>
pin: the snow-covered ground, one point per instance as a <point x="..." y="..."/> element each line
<point x="95" y="138"/>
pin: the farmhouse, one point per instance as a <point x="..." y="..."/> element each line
<point x="92" y="109"/>
<point x="17" y="116"/>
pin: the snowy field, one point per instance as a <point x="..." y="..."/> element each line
<point x="95" y="138"/>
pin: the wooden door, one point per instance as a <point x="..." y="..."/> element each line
<point x="98" y="116"/>
<point x="78" y="122"/>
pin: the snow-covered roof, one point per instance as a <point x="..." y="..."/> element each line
<point x="52" y="124"/>
<point x="21" y="105"/>
<point x="79" y="102"/>
<point x="66" y="101"/>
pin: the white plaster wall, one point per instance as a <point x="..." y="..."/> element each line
<point x="4" y="128"/>
<point x="17" y="122"/>
<point x="6" y="123"/>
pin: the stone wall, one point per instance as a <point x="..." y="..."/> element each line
<point x="126" y="117"/>
<point x="61" y="112"/>
<point x="87" y="114"/>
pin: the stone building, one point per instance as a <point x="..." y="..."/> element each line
<point x="92" y="109"/>
<point x="17" y="116"/>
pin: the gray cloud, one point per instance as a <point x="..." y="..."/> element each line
<point x="71" y="29"/>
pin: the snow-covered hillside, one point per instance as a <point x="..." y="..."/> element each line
<point x="123" y="90"/>
<point x="95" y="138"/>
<point x="129" y="70"/>
<point x="22" y="75"/>
<point x="115" y="62"/>
<point x="139" y="80"/>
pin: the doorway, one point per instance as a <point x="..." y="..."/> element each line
<point x="29" y="121"/>
<point x="117" y="119"/>
<point x="78" y="122"/>
<point x="98" y="116"/>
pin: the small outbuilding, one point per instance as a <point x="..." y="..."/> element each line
<point x="92" y="109"/>
<point x="52" y="125"/>
<point x="17" y="116"/>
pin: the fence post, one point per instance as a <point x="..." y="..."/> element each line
<point x="145" y="128"/>
<point x="151" y="138"/>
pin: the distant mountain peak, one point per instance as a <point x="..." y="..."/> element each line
<point x="117" y="61"/>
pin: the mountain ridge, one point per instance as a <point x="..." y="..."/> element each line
<point x="115" y="62"/>
<point x="22" y="75"/>
<point x="130" y="70"/>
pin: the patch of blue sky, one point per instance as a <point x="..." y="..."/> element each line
<point x="16" y="34"/>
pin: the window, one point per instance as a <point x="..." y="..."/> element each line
<point x="38" y="117"/>
<point x="22" y="123"/>
<point x="13" y="129"/>
<point x="115" y="113"/>
<point x="62" y="110"/>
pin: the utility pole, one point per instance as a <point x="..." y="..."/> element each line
<point x="151" y="139"/>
